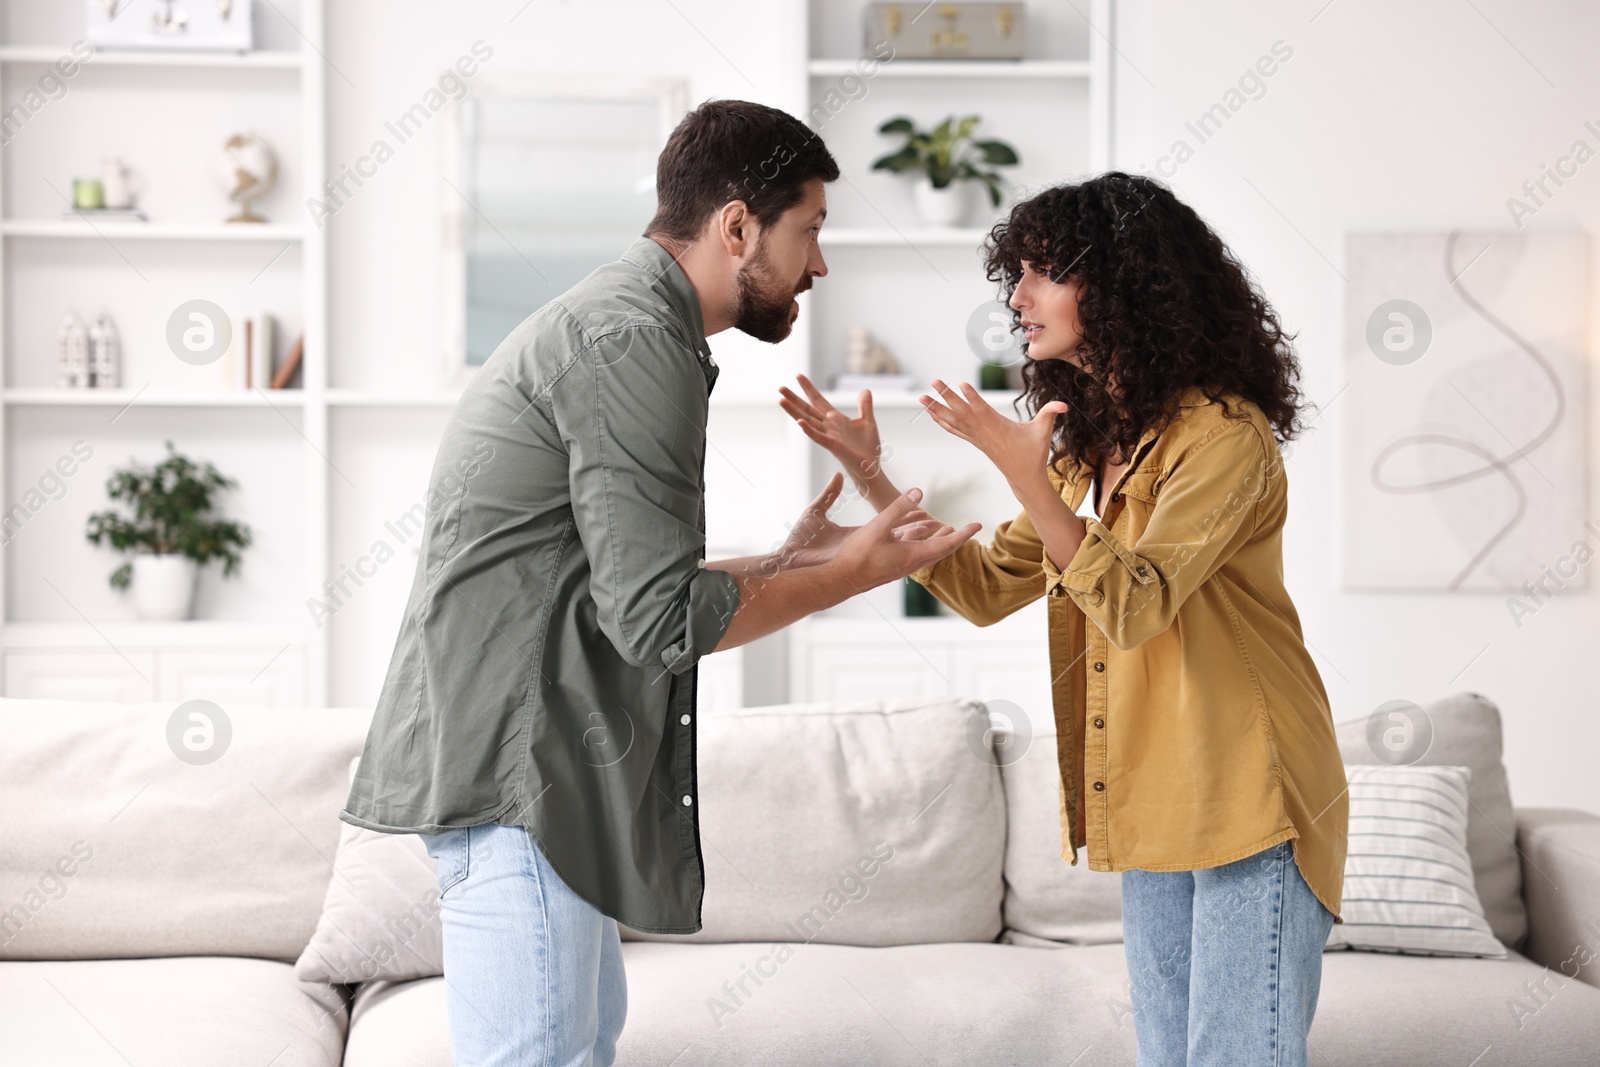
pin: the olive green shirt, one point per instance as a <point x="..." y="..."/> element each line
<point x="545" y="670"/>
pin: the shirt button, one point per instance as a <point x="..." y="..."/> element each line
<point x="1099" y="666"/>
<point x="687" y="799"/>
<point x="1099" y="723"/>
<point x="1141" y="570"/>
<point x="684" y="720"/>
<point x="1099" y="787"/>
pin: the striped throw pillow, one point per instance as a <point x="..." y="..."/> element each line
<point x="1407" y="877"/>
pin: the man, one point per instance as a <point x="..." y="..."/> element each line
<point x="537" y="724"/>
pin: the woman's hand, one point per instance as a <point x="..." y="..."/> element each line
<point x="1020" y="450"/>
<point x="853" y="442"/>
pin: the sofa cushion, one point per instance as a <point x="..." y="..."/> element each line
<point x="399" y="1024"/>
<point x="179" y="1011"/>
<point x="380" y="919"/>
<point x="866" y="823"/>
<point x="1407" y="878"/>
<point x="1048" y="898"/>
<point x="823" y="1005"/>
<point x="128" y="850"/>
<point x="1387" y="1010"/>
<point x="1463" y="730"/>
<point x="819" y="1005"/>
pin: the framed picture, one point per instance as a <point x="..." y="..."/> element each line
<point x="1464" y="464"/>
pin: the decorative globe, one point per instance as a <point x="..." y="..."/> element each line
<point x="247" y="169"/>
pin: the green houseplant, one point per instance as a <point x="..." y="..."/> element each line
<point x="171" y="534"/>
<point x="945" y="159"/>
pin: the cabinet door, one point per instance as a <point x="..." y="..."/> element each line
<point x="720" y="686"/>
<point x="270" y="677"/>
<point x="1019" y="674"/>
<point x="874" y="672"/>
<point x="100" y="675"/>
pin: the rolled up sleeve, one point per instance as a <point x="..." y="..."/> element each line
<point x="1205" y="510"/>
<point x="985" y="583"/>
<point x="631" y="410"/>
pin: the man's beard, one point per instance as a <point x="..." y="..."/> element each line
<point x="764" y="299"/>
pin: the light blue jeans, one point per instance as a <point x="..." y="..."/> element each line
<point x="1224" y="963"/>
<point x="533" y="971"/>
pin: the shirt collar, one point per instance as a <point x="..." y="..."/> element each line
<point x="669" y="278"/>
<point x="1190" y="396"/>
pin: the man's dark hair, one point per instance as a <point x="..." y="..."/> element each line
<point x="726" y="150"/>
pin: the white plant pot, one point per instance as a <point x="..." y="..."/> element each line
<point x="942" y="208"/>
<point x="163" y="587"/>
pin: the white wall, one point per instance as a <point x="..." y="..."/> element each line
<point x="1416" y="116"/>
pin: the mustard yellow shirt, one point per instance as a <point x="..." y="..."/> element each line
<point x="1193" y="728"/>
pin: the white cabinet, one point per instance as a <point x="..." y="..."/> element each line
<point x="259" y="675"/>
<point x="875" y="670"/>
<point x="82" y="675"/>
<point x="720" y="686"/>
<point x="232" y="664"/>
<point x="860" y="658"/>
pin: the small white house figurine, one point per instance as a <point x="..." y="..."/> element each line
<point x="105" y="353"/>
<point x="72" y="353"/>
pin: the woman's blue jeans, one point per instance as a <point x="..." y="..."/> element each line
<point x="1224" y="963"/>
<point x="533" y="971"/>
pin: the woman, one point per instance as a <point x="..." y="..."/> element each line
<point x="1196" y="740"/>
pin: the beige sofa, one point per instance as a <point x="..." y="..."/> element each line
<point x="152" y="908"/>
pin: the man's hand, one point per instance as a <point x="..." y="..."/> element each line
<point x="898" y="540"/>
<point x="816" y="539"/>
<point x="878" y="552"/>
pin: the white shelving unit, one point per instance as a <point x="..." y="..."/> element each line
<point x="43" y="55"/>
<point x="64" y="633"/>
<point x="912" y="68"/>
<point x="146" y="231"/>
<point x="954" y="237"/>
<point x="151" y="398"/>
<point x="916" y="287"/>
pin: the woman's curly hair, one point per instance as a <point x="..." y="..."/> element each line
<point x="1162" y="305"/>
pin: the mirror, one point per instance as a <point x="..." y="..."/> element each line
<point x="547" y="180"/>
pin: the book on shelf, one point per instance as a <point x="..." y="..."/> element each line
<point x="288" y="372"/>
<point x="247" y="362"/>
<point x="258" y="336"/>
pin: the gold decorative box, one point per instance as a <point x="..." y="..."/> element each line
<point x="945" y="31"/>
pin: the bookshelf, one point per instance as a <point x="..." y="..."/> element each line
<point x="64" y="631"/>
<point x="914" y="286"/>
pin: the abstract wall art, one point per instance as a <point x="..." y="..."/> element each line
<point x="1464" y="428"/>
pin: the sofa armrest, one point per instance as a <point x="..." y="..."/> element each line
<point x="1560" y="850"/>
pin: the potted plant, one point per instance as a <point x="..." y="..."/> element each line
<point x="171" y="534"/>
<point x="946" y="159"/>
